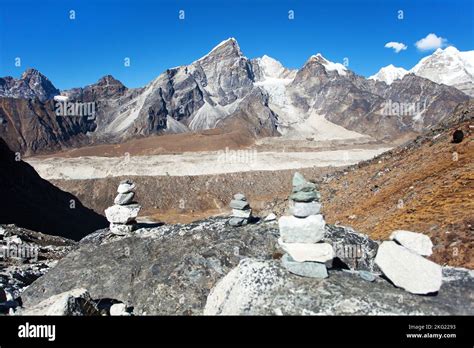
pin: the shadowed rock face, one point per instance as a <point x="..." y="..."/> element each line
<point x="29" y="201"/>
<point x="172" y="269"/>
<point x="31" y="126"/>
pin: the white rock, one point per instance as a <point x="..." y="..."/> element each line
<point x="407" y="269"/>
<point x="301" y="252"/>
<point x="121" y="229"/>
<point x="301" y="230"/>
<point x="118" y="309"/>
<point x="121" y="214"/>
<point x="125" y="187"/>
<point x="124" y="198"/>
<point x="417" y="242"/>
<point x="270" y="217"/>
<point x="304" y="209"/>
<point x="242" y="213"/>
<point x="2" y="231"/>
<point x="241" y="287"/>
<point x="74" y="302"/>
<point x="14" y="240"/>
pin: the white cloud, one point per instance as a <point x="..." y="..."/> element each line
<point x="397" y="46"/>
<point x="431" y="42"/>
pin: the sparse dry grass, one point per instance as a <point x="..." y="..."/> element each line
<point x="422" y="190"/>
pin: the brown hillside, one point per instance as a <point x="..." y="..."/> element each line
<point x="426" y="185"/>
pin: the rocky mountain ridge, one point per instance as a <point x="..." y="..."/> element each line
<point x="226" y="89"/>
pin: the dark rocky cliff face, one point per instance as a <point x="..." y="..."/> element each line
<point x="29" y="201"/>
<point x="30" y="126"/>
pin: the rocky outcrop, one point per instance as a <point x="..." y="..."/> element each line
<point x="34" y="203"/>
<point x="165" y="270"/>
<point x="171" y="269"/>
<point x="264" y="287"/>
<point x="24" y="257"/>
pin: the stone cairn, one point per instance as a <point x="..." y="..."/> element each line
<point x="123" y="213"/>
<point x="241" y="211"/>
<point x="301" y="234"/>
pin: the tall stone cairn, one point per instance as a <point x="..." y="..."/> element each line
<point x="123" y="213"/>
<point x="302" y="232"/>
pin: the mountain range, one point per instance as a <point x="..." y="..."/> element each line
<point x="448" y="66"/>
<point x="226" y="89"/>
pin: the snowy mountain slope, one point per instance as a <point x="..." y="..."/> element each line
<point x="448" y="66"/>
<point x="388" y="74"/>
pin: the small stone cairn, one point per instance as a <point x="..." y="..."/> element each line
<point x="302" y="232"/>
<point x="241" y="211"/>
<point x="123" y="213"/>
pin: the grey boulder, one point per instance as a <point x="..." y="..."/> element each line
<point x="265" y="287"/>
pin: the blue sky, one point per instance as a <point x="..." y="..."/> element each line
<point x="78" y="52"/>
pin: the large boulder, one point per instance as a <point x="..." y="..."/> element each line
<point x="73" y="302"/>
<point x="264" y="287"/>
<point x="407" y="269"/>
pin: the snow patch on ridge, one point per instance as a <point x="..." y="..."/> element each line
<point x="330" y="66"/>
<point x="388" y="74"/>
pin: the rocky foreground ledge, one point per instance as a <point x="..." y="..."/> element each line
<point x="209" y="267"/>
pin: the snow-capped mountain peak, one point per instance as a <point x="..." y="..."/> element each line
<point x="389" y="73"/>
<point x="448" y="66"/>
<point x="272" y="68"/>
<point x="328" y="65"/>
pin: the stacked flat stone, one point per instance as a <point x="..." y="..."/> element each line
<point x="241" y="211"/>
<point x="302" y="232"/>
<point x="123" y="213"/>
